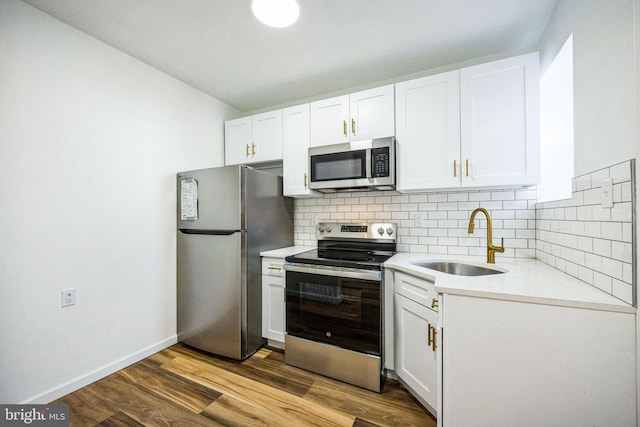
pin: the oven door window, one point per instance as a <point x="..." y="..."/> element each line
<point x="338" y="166"/>
<point x="334" y="310"/>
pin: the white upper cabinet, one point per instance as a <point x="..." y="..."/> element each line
<point x="329" y="121"/>
<point x="476" y="127"/>
<point x="362" y="115"/>
<point x="428" y="132"/>
<point x="295" y="149"/>
<point x="237" y="141"/>
<point x="499" y="110"/>
<point x="372" y="113"/>
<point x="253" y="139"/>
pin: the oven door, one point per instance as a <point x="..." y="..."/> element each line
<point x="335" y="306"/>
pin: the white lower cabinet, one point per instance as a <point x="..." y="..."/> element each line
<point x="508" y="363"/>
<point x="416" y="338"/>
<point x="273" y="300"/>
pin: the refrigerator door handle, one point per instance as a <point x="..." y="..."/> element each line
<point x="209" y="232"/>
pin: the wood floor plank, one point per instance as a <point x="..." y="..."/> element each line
<point x="381" y="409"/>
<point x="233" y="412"/>
<point x="172" y="387"/>
<point x="85" y="408"/>
<point x="285" y="378"/>
<point x="169" y="388"/>
<point x="143" y="407"/>
<point x="120" y="419"/>
<point x="275" y="402"/>
<point x="160" y="357"/>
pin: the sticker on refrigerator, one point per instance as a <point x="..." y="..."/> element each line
<point x="188" y="199"/>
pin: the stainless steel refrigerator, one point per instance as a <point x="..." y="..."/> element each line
<point x="226" y="217"/>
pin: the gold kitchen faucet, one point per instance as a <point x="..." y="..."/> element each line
<point x="491" y="249"/>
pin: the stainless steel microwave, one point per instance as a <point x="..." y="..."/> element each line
<point x="359" y="165"/>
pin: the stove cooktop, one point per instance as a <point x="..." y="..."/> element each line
<point x="351" y="245"/>
<point x="366" y="259"/>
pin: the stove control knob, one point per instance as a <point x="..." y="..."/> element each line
<point x="381" y="231"/>
<point x="328" y="229"/>
<point x="321" y="228"/>
<point x="389" y="231"/>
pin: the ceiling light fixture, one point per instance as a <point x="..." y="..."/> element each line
<point x="276" y="13"/>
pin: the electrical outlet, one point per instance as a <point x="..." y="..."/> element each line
<point x="606" y="192"/>
<point x="419" y="218"/>
<point x="68" y="297"/>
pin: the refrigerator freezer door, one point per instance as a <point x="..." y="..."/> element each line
<point x="210" y="289"/>
<point x="218" y="193"/>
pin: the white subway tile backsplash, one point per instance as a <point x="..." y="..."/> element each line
<point x="433" y="222"/>
<point x="503" y="195"/>
<point x="583" y="182"/>
<point x="620" y="172"/>
<point x="576" y="235"/>
<point x="623" y="290"/>
<point x="592" y="243"/>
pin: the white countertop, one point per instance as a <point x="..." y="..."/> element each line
<point x="525" y="280"/>
<point x="285" y="252"/>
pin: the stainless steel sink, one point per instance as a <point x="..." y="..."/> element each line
<point x="458" y="268"/>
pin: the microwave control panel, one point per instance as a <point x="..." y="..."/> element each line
<point x="380" y="162"/>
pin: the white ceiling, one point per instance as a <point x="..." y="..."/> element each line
<point x="217" y="46"/>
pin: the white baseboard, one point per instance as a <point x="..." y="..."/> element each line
<point x="93" y="376"/>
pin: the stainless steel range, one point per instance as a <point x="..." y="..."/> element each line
<point x="334" y="303"/>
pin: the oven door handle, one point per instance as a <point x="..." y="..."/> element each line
<point x="350" y="273"/>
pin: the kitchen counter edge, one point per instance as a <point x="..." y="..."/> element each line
<point x="287" y="251"/>
<point x="526" y="280"/>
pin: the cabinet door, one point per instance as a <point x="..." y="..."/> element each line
<point x="415" y="359"/>
<point x="500" y="122"/>
<point x="502" y="361"/>
<point x="295" y="151"/>
<point x="329" y="121"/>
<point x="267" y="136"/>
<point x="237" y="141"/>
<point x="273" y="308"/>
<point x="372" y="113"/>
<point x="428" y="132"/>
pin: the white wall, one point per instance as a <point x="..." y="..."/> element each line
<point x="90" y="141"/>
<point x="603" y="32"/>
<point x="606" y="82"/>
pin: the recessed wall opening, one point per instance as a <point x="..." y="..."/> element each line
<point x="556" y="127"/>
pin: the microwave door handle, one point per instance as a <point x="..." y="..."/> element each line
<point x="367" y="168"/>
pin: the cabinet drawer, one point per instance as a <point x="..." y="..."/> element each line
<point x="419" y="290"/>
<point x="273" y="267"/>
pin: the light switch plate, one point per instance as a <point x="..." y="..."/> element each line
<point x="606" y="193"/>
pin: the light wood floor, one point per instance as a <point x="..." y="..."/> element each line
<point x="186" y="387"/>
